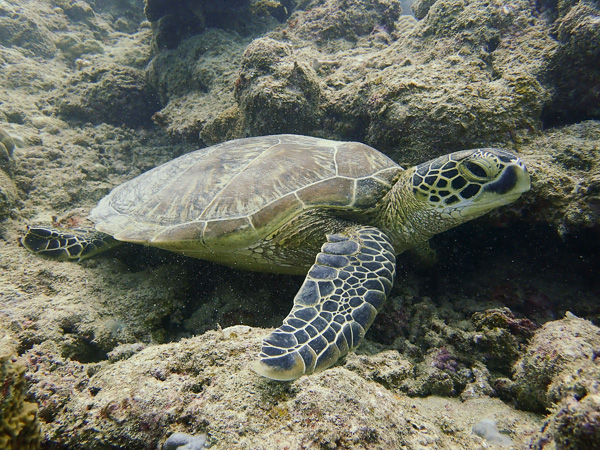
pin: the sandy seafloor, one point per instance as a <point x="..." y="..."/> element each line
<point x="123" y="350"/>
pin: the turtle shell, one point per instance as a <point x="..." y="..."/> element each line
<point x="234" y="194"/>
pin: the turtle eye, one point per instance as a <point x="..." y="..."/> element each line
<point x="477" y="170"/>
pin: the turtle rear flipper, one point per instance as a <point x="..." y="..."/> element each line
<point x="341" y="295"/>
<point x="66" y="244"/>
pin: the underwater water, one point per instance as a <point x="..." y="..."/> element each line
<point x="491" y="339"/>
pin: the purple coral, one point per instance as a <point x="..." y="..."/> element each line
<point x="444" y="360"/>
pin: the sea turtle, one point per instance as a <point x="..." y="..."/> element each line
<point x="338" y="212"/>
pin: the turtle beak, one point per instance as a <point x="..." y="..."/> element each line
<point x="513" y="182"/>
<point x="523" y="179"/>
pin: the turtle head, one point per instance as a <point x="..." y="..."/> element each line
<point x="466" y="184"/>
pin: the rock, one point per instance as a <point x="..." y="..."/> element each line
<point x="7" y="142"/>
<point x="574" y="425"/>
<point x="557" y="357"/>
<point x="77" y="10"/>
<point x="276" y="94"/>
<point x="421" y="7"/>
<point x="480" y="387"/>
<point x="204" y="386"/>
<point x="26" y="29"/>
<point x="329" y="21"/>
<point x="388" y="368"/>
<point x="574" y="70"/>
<point x="108" y="93"/>
<point x="355" y="65"/>
<point x="73" y="47"/>
<point x="9" y="194"/>
<point x="176" y="20"/>
<point x="195" y="84"/>
<point x="501" y="337"/>
<point x="559" y="373"/>
<point x="565" y="167"/>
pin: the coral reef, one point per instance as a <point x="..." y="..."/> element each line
<point x="203" y="385"/>
<point x="19" y="425"/>
<point x="108" y="343"/>
<point x="357" y="65"/>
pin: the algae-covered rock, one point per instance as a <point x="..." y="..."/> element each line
<point x="501" y="337"/>
<point x="551" y="368"/>
<point x="195" y="83"/>
<point x="26" y="29"/>
<point x="108" y="93"/>
<point x="565" y="169"/>
<point x="275" y="93"/>
<point x="19" y="425"/>
<point x="421" y="7"/>
<point x="176" y="20"/>
<point x="560" y="372"/>
<point x="574" y="70"/>
<point x="77" y="10"/>
<point x="74" y="47"/>
<point x="9" y="194"/>
<point x="575" y="424"/>
<point x="450" y="81"/>
<point x="7" y="145"/>
<point x="328" y="21"/>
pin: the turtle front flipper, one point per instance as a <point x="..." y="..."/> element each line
<point x="342" y="293"/>
<point x="66" y="244"/>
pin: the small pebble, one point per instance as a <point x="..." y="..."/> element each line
<point x="184" y="441"/>
<point x="488" y="430"/>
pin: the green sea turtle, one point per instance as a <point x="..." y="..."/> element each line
<point x="338" y="212"/>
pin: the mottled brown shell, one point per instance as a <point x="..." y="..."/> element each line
<point x="233" y="194"/>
